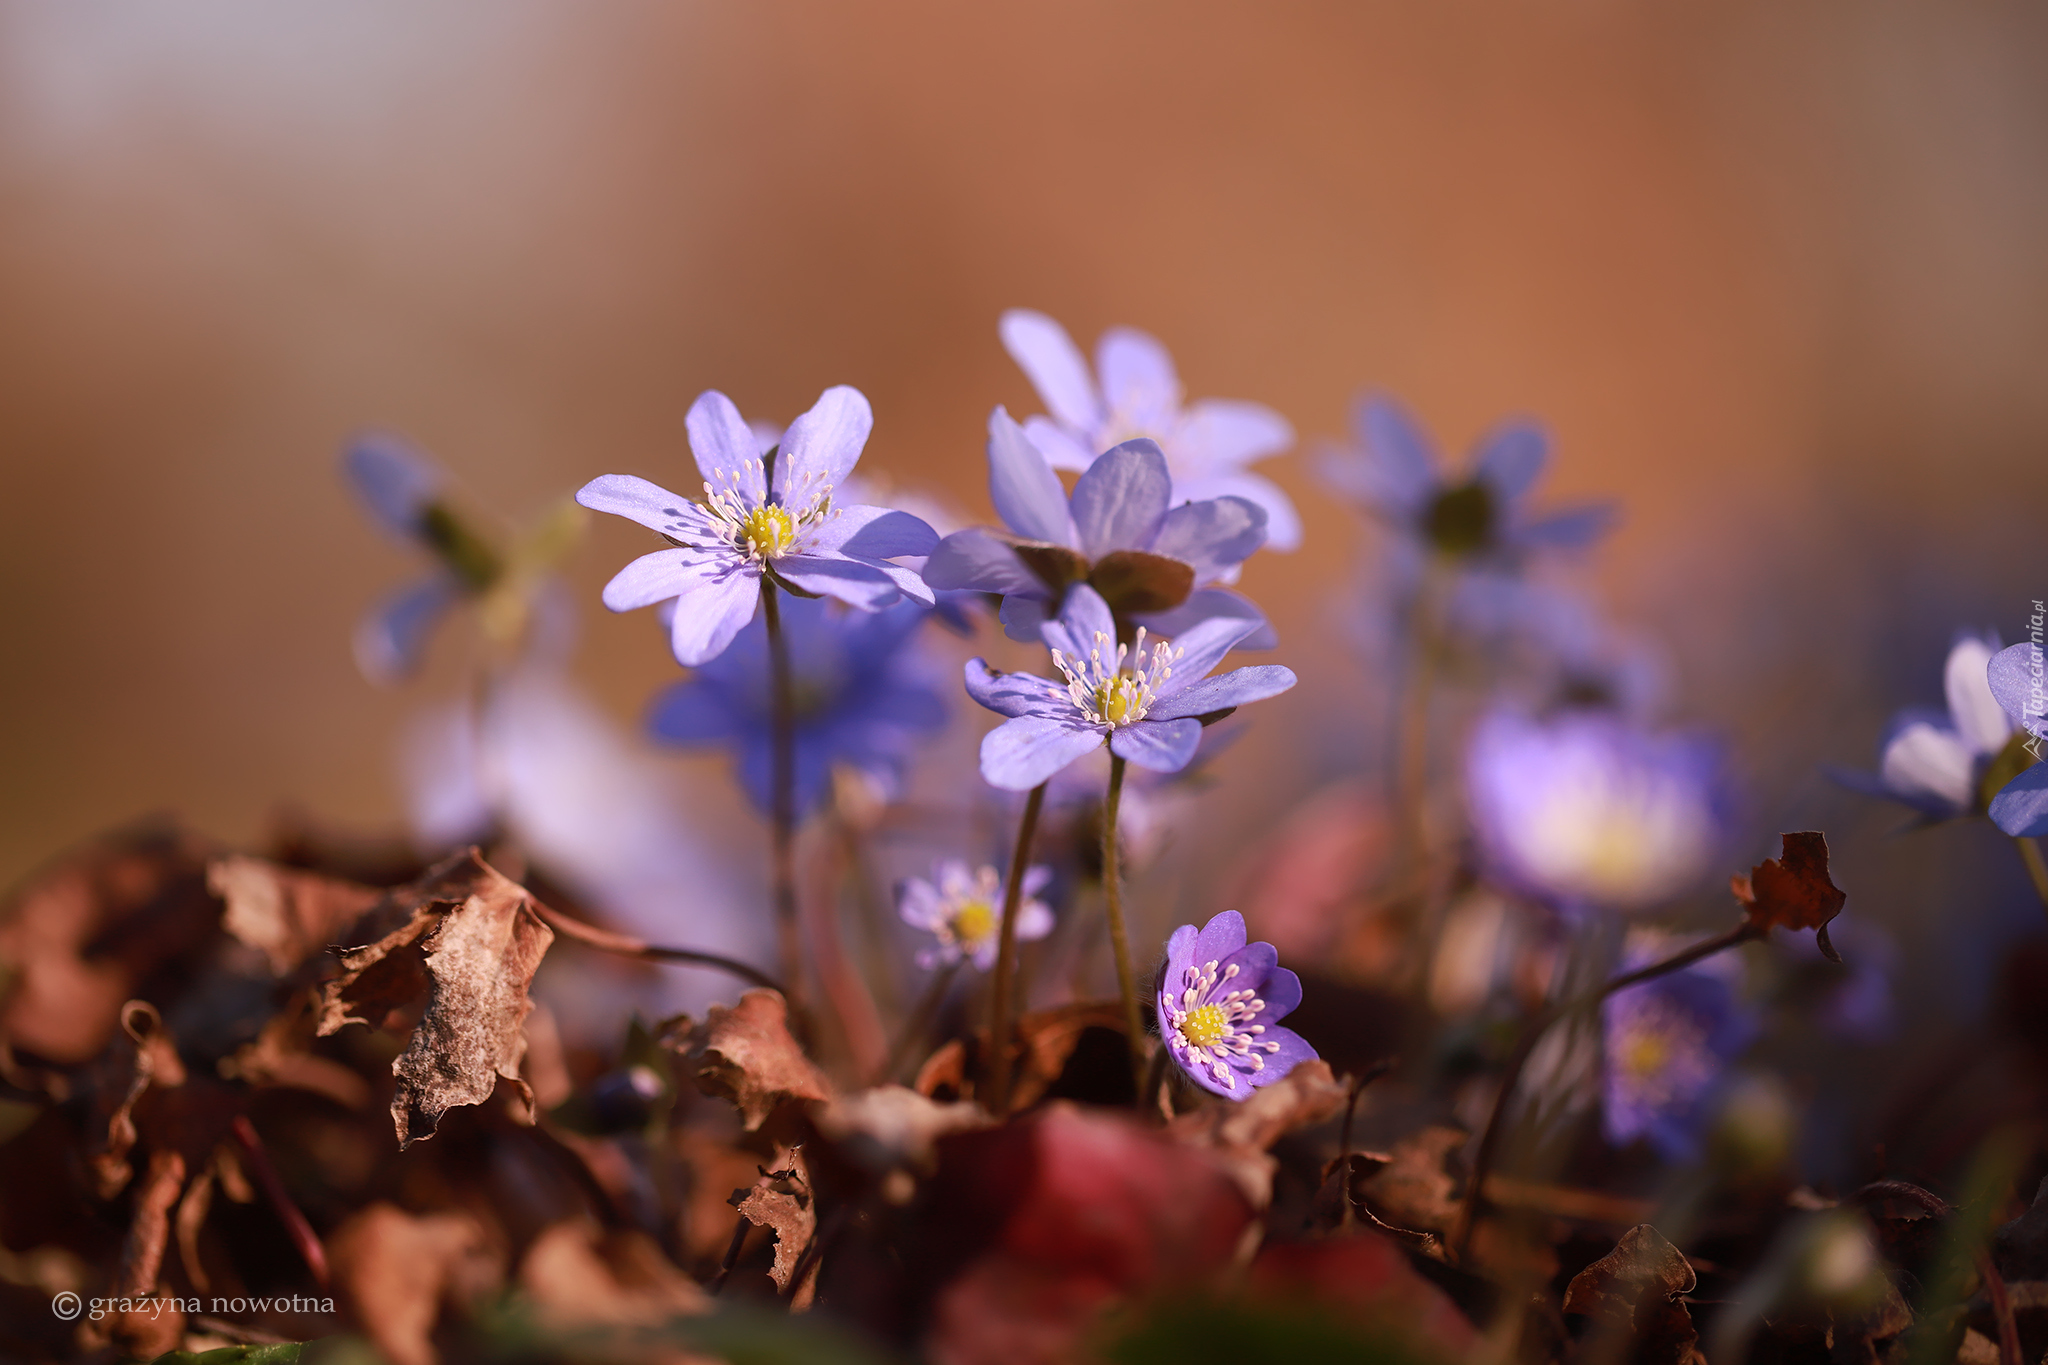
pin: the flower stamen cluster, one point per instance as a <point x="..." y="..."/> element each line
<point x="766" y="530"/>
<point x="1206" y="1029"/>
<point x="1108" y="693"/>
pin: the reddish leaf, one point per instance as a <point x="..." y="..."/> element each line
<point x="1793" y="890"/>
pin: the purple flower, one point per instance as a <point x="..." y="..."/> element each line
<point x="403" y="491"/>
<point x="1207" y="443"/>
<point x="964" y="911"/>
<point x="1144" y="701"/>
<point x="1476" y="517"/>
<point x="1588" y="810"/>
<point x="754" y="524"/>
<point x="2017" y="684"/>
<point x="862" y="699"/>
<point x="1156" y="564"/>
<point x="1933" y="761"/>
<point x="1220" y="1003"/>
<point x="1667" y="1044"/>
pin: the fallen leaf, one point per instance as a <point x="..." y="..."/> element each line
<point x="393" y="1270"/>
<point x="286" y="914"/>
<point x="744" y="1053"/>
<point x="1059" y="1053"/>
<point x="1632" y="1292"/>
<point x="1242" y="1132"/>
<point x="891" y="1128"/>
<point x="1415" y="1190"/>
<point x="578" y="1274"/>
<point x="790" y="1213"/>
<point x="1793" y="890"/>
<point x="467" y="949"/>
<point x="142" y="1056"/>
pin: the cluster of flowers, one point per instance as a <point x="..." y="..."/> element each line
<point x="795" y="611"/>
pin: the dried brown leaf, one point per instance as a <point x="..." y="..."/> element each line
<point x="285" y="913"/>
<point x="1415" y="1189"/>
<point x="142" y="1056"/>
<point x="893" y="1128"/>
<point x="1046" y="1043"/>
<point x="1242" y="1133"/>
<point x="466" y="950"/>
<point x="1632" y="1292"/>
<point x="1793" y="890"/>
<point x="791" y="1214"/>
<point x="392" y="1272"/>
<point x="579" y="1274"/>
<point x="744" y="1053"/>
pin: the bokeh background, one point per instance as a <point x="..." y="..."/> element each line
<point x="1772" y="274"/>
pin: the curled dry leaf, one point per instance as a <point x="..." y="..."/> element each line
<point x="143" y="1056"/>
<point x="1793" y="890"/>
<point x="286" y="914"/>
<point x="1416" y="1190"/>
<point x="467" y="949"/>
<point x="1242" y="1133"/>
<point x="1632" y="1293"/>
<point x="744" y="1053"/>
<point x="791" y="1213"/>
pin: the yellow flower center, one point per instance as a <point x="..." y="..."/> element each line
<point x="1107" y="692"/>
<point x="1203" y="1025"/>
<point x="766" y="532"/>
<point x="1645" y="1055"/>
<point x="973" y="922"/>
<point x="1116" y="698"/>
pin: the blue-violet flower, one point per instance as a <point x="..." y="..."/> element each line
<point x="2016" y="679"/>
<point x="1936" y="762"/>
<point x="1220" y="1003"/>
<point x="1668" y="1042"/>
<point x="963" y="910"/>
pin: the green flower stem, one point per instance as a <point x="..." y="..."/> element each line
<point x="782" y="801"/>
<point x="1002" y="986"/>
<point x="1119" y="940"/>
<point x="1496" y="1122"/>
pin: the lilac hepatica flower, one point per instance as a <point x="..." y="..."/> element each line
<point x="1220" y="1003"/>
<point x="862" y="699"/>
<point x="1144" y="700"/>
<point x="1475" y="518"/>
<point x="1935" y="762"/>
<point x="964" y="911"/>
<point x="2017" y="683"/>
<point x="1207" y="443"/>
<point x="406" y="493"/>
<point x="1586" y="810"/>
<point x="753" y="525"/>
<point x="1668" y="1043"/>
<point x="1156" y="564"/>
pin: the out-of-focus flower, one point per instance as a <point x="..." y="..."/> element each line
<point x="1668" y="1042"/>
<point x="1220" y="1003"/>
<point x="862" y="699"/>
<point x="1208" y="443"/>
<point x="1474" y="518"/>
<point x="1937" y="763"/>
<point x="2015" y="677"/>
<point x="1143" y="700"/>
<point x="964" y="911"/>
<point x="750" y="526"/>
<point x="405" y="493"/>
<point x="1156" y="564"/>
<point x="1587" y="810"/>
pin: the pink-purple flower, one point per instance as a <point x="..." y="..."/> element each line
<point x="1220" y="1003"/>
<point x="761" y="518"/>
<point x="1147" y="701"/>
<point x="1134" y="392"/>
<point x="963" y="911"/>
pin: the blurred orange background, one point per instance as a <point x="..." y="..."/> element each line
<point x="1772" y="274"/>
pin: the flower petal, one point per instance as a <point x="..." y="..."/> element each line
<point x="871" y="533"/>
<point x="1180" y="951"/>
<point x="2010" y="675"/>
<point x="696" y="712"/>
<point x="1569" y="529"/>
<point x="1220" y="937"/>
<point x="1119" y="502"/>
<point x="1016" y="694"/>
<point x="662" y="575"/>
<point x="1281" y="990"/>
<point x="391" y="642"/>
<point x="1054" y="365"/>
<point x="1161" y="746"/>
<point x="634" y="498"/>
<point x="867" y="586"/>
<point x="1978" y="717"/>
<point x="1061" y="448"/>
<point x="1283" y="522"/>
<point x="918" y="904"/>
<point x="1212" y="535"/>
<point x="707" y="617"/>
<point x="1024" y="615"/>
<point x="1019" y="754"/>
<point x="1235" y="688"/>
<point x="728" y="454"/>
<point x="1294" y="1050"/>
<point x="1139" y="385"/>
<point x="395" y="481"/>
<point x="821" y="447"/>
<point x="975" y="561"/>
<point x="1082" y="618"/>
<point x="1510" y="458"/>
<point x="1207" y="604"/>
<point x="1202" y="646"/>
<point x="1026" y="493"/>
<point x="2021" y="807"/>
<point x="1924" y="758"/>
<point x="1400" y="467"/>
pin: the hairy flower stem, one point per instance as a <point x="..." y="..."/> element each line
<point x="782" y="800"/>
<point x="1002" y="985"/>
<point x="2030" y="854"/>
<point x="1496" y="1122"/>
<point x="1119" y="940"/>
